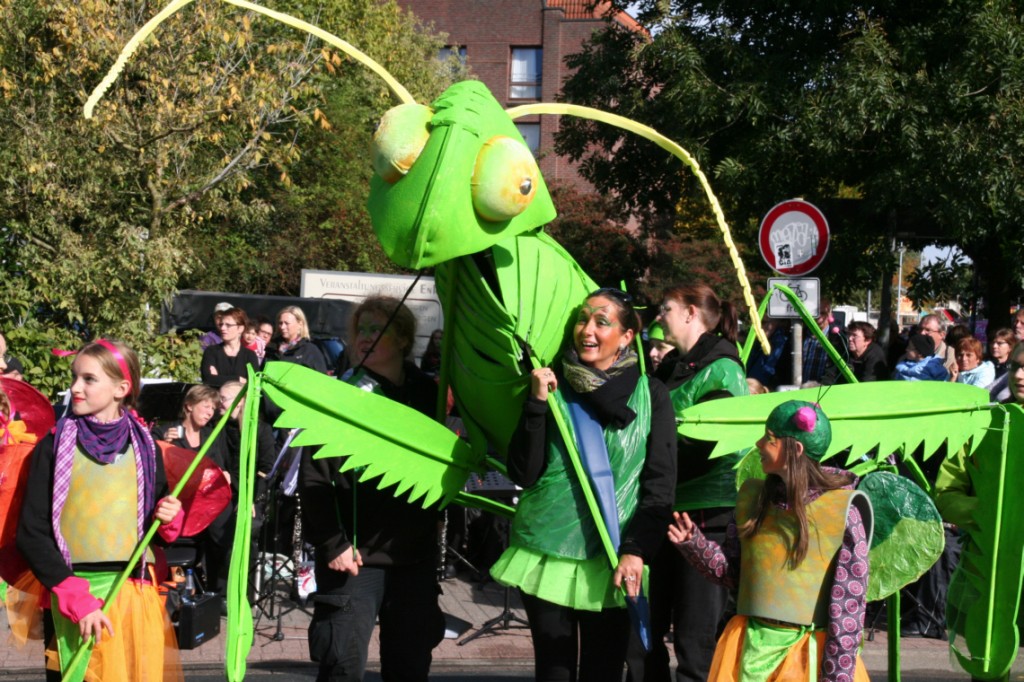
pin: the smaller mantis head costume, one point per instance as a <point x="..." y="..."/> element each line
<point x="806" y="423"/>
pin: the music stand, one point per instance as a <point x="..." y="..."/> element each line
<point x="494" y="485"/>
<point x="266" y="590"/>
<point x="448" y="548"/>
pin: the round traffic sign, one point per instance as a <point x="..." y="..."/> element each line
<point x="793" y="237"/>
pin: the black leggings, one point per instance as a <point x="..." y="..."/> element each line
<point x="601" y="635"/>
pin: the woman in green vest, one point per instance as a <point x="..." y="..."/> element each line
<point x="797" y="551"/>
<point x="573" y="595"/>
<point x="704" y="366"/>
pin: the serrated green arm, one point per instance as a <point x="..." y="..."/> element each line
<point x="381" y="437"/>
<point x="78" y="659"/>
<point x="889" y="415"/>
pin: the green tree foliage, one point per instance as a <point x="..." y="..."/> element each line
<point x="318" y="219"/>
<point x="941" y="280"/>
<point x="190" y="158"/>
<point x="594" y="231"/>
<point x="900" y="119"/>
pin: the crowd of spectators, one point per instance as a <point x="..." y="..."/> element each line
<point x="692" y="349"/>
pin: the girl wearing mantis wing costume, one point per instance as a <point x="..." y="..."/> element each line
<point x="798" y="552"/>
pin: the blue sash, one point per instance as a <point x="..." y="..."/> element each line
<point x="594" y="456"/>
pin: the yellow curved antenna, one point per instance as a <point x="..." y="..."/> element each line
<point x="681" y="154"/>
<point x="144" y="32"/>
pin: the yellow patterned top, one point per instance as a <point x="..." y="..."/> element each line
<point x="769" y="588"/>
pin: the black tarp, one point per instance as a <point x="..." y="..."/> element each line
<point x="190" y="309"/>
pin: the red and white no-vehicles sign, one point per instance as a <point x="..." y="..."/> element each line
<point x="794" y="237"/>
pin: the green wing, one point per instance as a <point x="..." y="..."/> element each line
<point x="377" y="436"/>
<point x="985" y="591"/>
<point x="887" y="415"/>
<point x="908" y="536"/>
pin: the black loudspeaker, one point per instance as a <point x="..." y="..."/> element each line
<point x="198" y="621"/>
<point x="161" y="402"/>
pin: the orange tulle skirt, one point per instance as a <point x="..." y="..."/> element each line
<point x="26" y="598"/>
<point x="143" y="648"/>
<point x="726" y="664"/>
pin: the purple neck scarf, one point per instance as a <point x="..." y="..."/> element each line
<point x="103" y="442"/>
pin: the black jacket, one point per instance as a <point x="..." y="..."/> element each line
<point x="871" y="366"/>
<point x="387" y="530"/>
<point x="304" y="353"/>
<point x="228" y="368"/>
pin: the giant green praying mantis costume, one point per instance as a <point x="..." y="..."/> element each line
<point x="456" y="188"/>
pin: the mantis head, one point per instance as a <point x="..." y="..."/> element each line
<point x="453" y="179"/>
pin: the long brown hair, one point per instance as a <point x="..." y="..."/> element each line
<point x="717" y="315"/>
<point x="799" y="475"/>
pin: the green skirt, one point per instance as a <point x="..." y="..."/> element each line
<point x="585" y="585"/>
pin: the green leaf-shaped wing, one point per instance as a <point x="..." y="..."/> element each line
<point x="985" y="591"/>
<point x="382" y="438"/>
<point x="889" y="415"/>
<point x="907" y="535"/>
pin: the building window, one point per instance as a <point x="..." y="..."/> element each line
<point x="531" y="135"/>
<point x="452" y="51"/>
<point x="453" y="62"/>
<point x="524" y="81"/>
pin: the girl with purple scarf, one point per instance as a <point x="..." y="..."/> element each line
<point x="94" y="486"/>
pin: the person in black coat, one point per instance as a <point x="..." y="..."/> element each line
<point x="228" y="360"/>
<point x="294" y="345"/>
<point x="867" y="358"/>
<point x="375" y="553"/>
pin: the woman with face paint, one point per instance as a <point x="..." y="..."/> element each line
<point x="574" y="598"/>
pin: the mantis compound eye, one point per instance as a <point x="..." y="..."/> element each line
<point x="399" y="140"/>
<point x="505" y="179"/>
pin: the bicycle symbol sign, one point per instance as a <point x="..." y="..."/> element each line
<point x="807" y="289"/>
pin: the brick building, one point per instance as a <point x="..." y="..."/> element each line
<point x="518" y="49"/>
